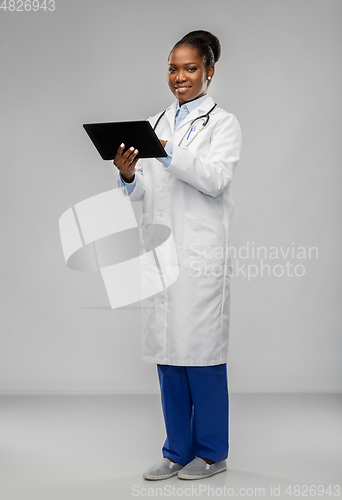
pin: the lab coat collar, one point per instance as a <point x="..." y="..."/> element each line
<point x="203" y="108"/>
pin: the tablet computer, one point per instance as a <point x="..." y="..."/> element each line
<point x="107" y="137"/>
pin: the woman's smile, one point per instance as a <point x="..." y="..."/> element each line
<point x="182" y="89"/>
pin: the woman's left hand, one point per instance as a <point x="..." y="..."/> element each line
<point x="163" y="143"/>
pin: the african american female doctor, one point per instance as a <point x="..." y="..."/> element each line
<point x="186" y="325"/>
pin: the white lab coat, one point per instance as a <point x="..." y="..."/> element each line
<point x="187" y="324"/>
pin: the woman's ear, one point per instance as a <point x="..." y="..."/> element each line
<point x="210" y="73"/>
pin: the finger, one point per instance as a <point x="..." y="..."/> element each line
<point x="127" y="154"/>
<point x="133" y="156"/>
<point x="132" y="165"/>
<point x="119" y="153"/>
<point x="131" y="159"/>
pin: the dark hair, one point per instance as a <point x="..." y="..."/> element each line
<point x="207" y="44"/>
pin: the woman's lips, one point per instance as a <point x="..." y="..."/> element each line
<point x="182" y="89"/>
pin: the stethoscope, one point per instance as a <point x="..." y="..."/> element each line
<point x="192" y="128"/>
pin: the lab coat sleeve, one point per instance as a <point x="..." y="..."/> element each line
<point x="138" y="191"/>
<point x="212" y="174"/>
<point x="128" y="185"/>
<point x="169" y="150"/>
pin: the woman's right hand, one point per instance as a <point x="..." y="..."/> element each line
<point x="125" y="162"/>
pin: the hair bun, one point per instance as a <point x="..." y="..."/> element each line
<point x="208" y="38"/>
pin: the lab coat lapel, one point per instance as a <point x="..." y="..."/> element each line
<point x="170" y="115"/>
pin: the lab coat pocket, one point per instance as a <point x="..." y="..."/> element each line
<point x="152" y="235"/>
<point x="205" y="249"/>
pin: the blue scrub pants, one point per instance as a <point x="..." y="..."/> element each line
<point x="195" y="406"/>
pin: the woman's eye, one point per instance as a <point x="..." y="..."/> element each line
<point x="172" y="70"/>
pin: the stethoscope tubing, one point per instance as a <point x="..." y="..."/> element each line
<point x="206" y="116"/>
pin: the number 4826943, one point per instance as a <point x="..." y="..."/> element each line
<point x="27" y="5"/>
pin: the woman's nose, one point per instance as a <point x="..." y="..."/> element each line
<point x="180" y="77"/>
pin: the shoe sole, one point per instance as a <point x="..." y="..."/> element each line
<point x="155" y="478"/>
<point x="199" y="476"/>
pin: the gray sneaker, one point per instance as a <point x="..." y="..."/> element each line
<point x="162" y="470"/>
<point x="198" y="469"/>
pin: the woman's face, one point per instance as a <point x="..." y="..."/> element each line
<point x="188" y="77"/>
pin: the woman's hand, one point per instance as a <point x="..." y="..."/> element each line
<point x="125" y="162"/>
<point x="163" y="143"/>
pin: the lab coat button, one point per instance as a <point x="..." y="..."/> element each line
<point x="163" y="301"/>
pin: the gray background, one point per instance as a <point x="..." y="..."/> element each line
<point x="92" y="61"/>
